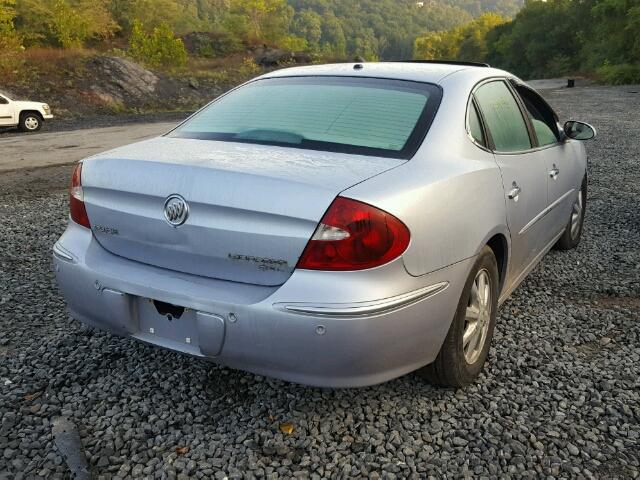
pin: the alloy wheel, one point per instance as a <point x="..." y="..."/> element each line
<point x="477" y="317"/>
<point x="576" y="216"/>
<point x="31" y="123"/>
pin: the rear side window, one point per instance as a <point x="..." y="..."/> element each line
<point x="475" y="127"/>
<point x="343" y="114"/>
<point x="503" y="117"/>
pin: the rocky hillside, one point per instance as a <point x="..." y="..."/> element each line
<point x="100" y="84"/>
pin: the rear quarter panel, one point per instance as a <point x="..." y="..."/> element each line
<point x="449" y="194"/>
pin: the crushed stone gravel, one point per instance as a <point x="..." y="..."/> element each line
<point x="560" y="396"/>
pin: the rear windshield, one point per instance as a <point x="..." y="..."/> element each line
<point x="343" y="114"/>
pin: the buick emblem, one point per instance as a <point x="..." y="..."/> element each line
<point x="176" y="210"/>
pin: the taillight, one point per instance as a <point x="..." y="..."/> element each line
<point x="76" y="199"/>
<point x="353" y="236"/>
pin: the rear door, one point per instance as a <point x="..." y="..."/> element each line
<point x="524" y="172"/>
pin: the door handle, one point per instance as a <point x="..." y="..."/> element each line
<point x="514" y="193"/>
<point x="553" y="173"/>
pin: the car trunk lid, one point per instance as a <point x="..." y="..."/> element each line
<point x="252" y="208"/>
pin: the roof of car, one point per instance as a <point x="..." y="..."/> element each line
<point x="431" y="72"/>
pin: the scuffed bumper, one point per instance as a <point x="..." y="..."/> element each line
<point x="290" y="332"/>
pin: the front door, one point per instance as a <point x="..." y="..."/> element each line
<point x="560" y="158"/>
<point x="6" y="112"/>
<point x="524" y="173"/>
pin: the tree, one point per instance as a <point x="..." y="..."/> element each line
<point x="616" y="31"/>
<point x="467" y="42"/>
<point x="157" y="48"/>
<point x="333" y="39"/>
<point x="10" y="42"/>
<point x="264" y="20"/>
<point x="308" y="25"/>
<point x="74" y="22"/>
<point x="67" y="23"/>
<point x="473" y="44"/>
<point x="437" y="45"/>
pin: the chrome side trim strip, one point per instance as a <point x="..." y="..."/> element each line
<point x="357" y="309"/>
<point x="545" y="211"/>
<point x="60" y="252"/>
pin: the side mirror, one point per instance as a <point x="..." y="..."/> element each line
<point x="579" y="130"/>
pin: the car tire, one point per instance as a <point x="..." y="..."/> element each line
<point x="30" y="122"/>
<point x="573" y="231"/>
<point x="459" y="363"/>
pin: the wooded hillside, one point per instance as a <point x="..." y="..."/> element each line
<point x="372" y="29"/>
<point x="549" y="38"/>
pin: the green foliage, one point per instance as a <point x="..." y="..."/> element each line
<point x="249" y="68"/>
<point x="583" y="35"/>
<point x="65" y="23"/>
<point x="619" y="74"/>
<point x="262" y="20"/>
<point x="74" y="22"/>
<point x="468" y="42"/>
<point x="10" y="42"/>
<point x="7" y="14"/>
<point x="546" y="37"/>
<point x="543" y="36"/>
<point x="214" y="44"/>
<point x="307" y="24"/>
<point x="158" y="48"/>
<point x="372" y="29"/>
<point x="550" y="38"/>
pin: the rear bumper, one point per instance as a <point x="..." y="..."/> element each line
<point x="290" y="332"/>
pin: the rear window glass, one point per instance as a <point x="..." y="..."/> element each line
<point x="503" y="117"/>
<point x="344" y="114"/>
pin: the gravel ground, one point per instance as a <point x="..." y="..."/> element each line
<point x="560" y="396"/>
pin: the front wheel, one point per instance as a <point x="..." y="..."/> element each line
<point x="466" y="346"/>
<point x="30" y="122"/>
<point x="573" y="231"/>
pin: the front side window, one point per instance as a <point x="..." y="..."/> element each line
<point x="3" y="100"/>
<point x="343" y="114"/>
<point x="542" y="117"/>
<point x="502" y="117"/>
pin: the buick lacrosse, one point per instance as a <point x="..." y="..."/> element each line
<point x="332" y="225"/>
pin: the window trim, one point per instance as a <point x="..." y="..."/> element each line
<point x="415" y="140"/>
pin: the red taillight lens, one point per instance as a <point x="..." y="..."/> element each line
<point x="76" y="199"/>
<point x="353" y="236"/>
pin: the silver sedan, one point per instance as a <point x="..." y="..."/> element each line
<point x="332" y="225"/>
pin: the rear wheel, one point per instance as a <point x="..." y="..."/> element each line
<point x="466" y="346"/>
<point x="573" y="231"/>
<point x="30" y="122"/>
